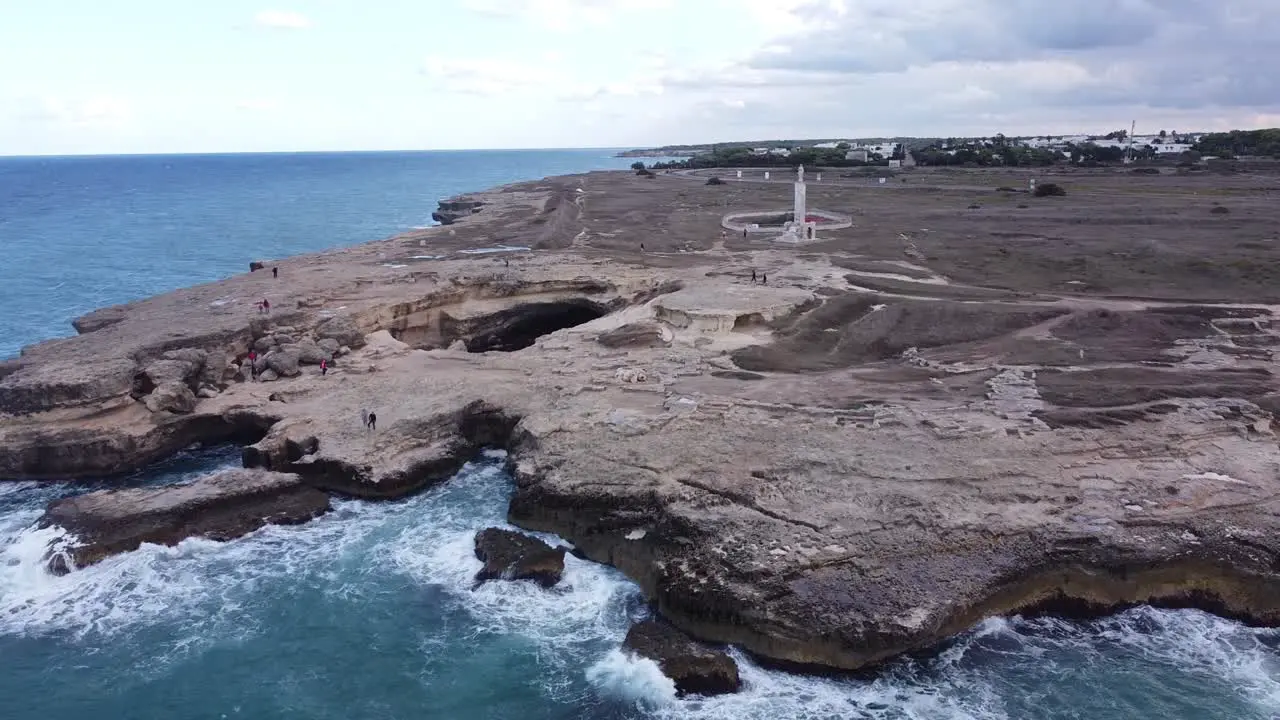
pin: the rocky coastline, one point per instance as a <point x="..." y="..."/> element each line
<point x="824" y="474"/>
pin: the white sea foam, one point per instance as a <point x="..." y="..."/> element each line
<point x="632" y="679"/>
<point x="209" y="590"/>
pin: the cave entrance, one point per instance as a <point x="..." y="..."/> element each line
<point x="518" y="327"/>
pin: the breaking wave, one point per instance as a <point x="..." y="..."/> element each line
<point x="386" y="589"/>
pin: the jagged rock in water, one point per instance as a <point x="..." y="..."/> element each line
<point x="509" y="555"/>
<point x="221" y="506"/>
<point x="696" y="668"/>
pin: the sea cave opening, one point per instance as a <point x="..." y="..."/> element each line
<point x="519" y="327"/>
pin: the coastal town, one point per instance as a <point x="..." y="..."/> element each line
<point x="1116" y="147"/>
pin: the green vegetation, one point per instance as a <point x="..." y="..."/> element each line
<point x="1241" y="142"/>
<point x="637" y="166"/>
<point x="727" y="156"/>
<point x="1049" y="190"/>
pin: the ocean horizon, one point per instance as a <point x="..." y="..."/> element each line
<point x="83" y="232"/>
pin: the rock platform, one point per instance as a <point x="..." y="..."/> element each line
<point x="821" y="472"/>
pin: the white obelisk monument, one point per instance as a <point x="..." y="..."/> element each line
<point x="801" y="210"/>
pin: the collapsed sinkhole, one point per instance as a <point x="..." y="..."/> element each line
<point x="507" y="330"/>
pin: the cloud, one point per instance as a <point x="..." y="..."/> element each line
<point x="281" y="20"/>
<point x="564" y="15"/>
<point x="941" y="66"/>
<point x="549" y="77"/>
<point x="258" y="104"/>
<point x="79" y="112"/>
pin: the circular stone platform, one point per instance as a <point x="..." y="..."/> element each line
<point x="822" y="219"/>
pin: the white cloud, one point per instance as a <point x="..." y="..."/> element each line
<point x="258" y="104"/>
<point x="80" y="112"/>
<point x="564" y="15"/>
<point x="282" y="20"/>
<point x="551" y="77"/>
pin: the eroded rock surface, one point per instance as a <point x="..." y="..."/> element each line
<point x="509" y="555"/>
<point x="695" y="668"/>
<point x="222" y="506"/>
<point x="822" y="473"/>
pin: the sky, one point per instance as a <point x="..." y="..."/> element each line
<point x="146" y="76"/>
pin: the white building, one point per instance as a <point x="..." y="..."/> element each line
<point x="781" y="152"/>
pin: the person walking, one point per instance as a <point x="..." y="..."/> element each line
<point x="753" y="274"/>
<point x="266" y="306"/>
<point x="324" y="367"/>
<point x="764" y="278"/>
<point x="275" y="272"/>
<point x="373" y="421"/>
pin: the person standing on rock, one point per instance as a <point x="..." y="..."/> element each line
<point x="764" y="278"/>
<point x="275" y="272"/>
<point x="324" y="367"/>
<point x="373" y="421"/>
<point x="266" y="306"/>
<point x="753" y="274"/>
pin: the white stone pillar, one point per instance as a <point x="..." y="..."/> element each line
<point x="801" y="209"/>
<point x="739" y="174"/>
<point x="766" y="174"/>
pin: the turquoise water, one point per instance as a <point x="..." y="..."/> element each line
<point x="369" y="612"/>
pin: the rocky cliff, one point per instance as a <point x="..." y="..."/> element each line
<point x="822" y="473"/>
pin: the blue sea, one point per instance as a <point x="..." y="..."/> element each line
<point x="368" y="612"/>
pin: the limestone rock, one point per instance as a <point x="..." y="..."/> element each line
<point x="310" y="353"/>
<point x="214" y="370"/>
<point x="630" y="375"/>
<point x="458" y="346"/>
<point x="509" y="555"/>
<point x="162" y="372"/>
<point x="342" y="329"/>
<point x="172" y="396"/>
<point x="221" y="506"/>
<point x="264" y="344"/>
<point x="207" y="392"/>
<point x="329" y="345"/>
<point x="634" y="335"/>
<point x="268" y="376"/>
<point x="695" y="668"/>
<point x="284" y="362"/>
<point x="256" y="265"/>
<point x="282" y="338"/>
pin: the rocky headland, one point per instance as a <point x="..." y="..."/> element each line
<point x="938" y="415"/>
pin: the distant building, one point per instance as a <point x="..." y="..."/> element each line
<point x="781" y="152"/>
<point x="856" y="155"/>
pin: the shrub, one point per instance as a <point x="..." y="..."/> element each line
<point x="1006" y="188"/>
<point x="637" y="166"/>
<point x="1145" y="171"/>
<point x="1023" y="206"/>
<point x="1049" y="190"/>
<point x="1219" y="210"/>
<point x="644" y="173"/>
<point x="975" y="206"/>
<point x="714" y="181"/>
